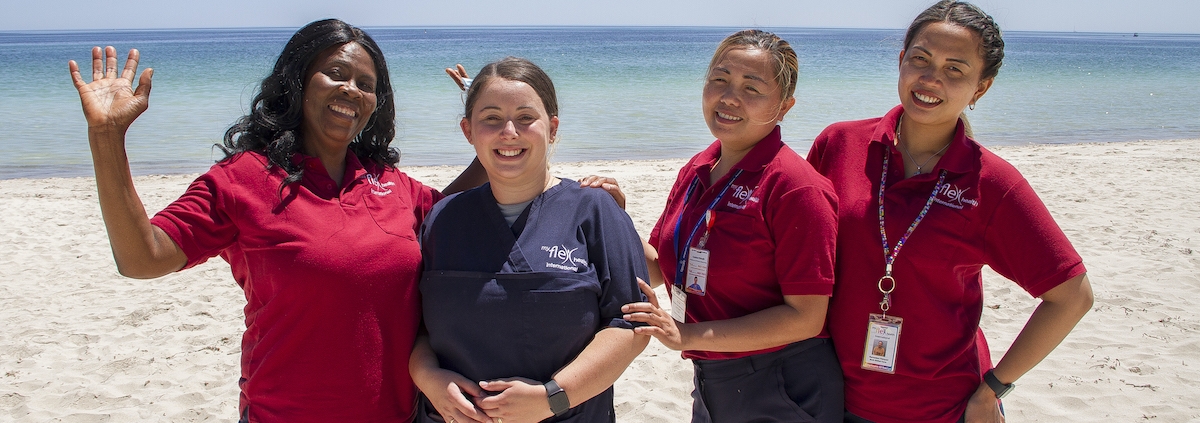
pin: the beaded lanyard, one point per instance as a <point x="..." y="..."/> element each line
<point x="889" y="254"/>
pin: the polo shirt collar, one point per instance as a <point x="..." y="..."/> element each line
<point x="759" y="156"/>
<point x="354" y="167"/>
<point x="958" y="156"/>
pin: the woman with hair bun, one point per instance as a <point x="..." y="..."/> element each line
<point x="747" y="239"/>
<point x="923" y="208"/>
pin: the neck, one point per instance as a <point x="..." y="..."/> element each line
<point x="922" y="145"/>
<point x="516" y="192"/>
<point x="925" y="140"/>
<point x="334" y="161"/>
<point x="730" y="157"/>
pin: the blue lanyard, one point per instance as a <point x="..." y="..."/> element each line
<point x="682" y="254"/>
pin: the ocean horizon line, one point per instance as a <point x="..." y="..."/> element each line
<point x="573" y="27"/>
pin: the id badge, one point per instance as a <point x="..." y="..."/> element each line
<point x="678" y="303"/>
<point x="883" y="333"/>
<point x="696" y="281"/>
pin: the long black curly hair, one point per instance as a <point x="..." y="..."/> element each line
<point x="273" y="125"/>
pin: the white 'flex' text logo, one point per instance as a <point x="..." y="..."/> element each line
<point x="565" y="256"/>
<point x="954" y="197"/>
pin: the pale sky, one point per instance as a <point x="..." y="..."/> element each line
<point x="1149" y="16"/>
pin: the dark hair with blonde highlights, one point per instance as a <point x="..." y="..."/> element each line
<point x="787" y="67"/>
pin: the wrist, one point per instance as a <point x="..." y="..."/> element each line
<point x="998" y="388"/>
<point x="556" y="398"/>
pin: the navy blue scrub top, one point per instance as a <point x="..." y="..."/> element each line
<point x="523" y="301"/>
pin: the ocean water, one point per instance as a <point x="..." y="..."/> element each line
<point x="624" y="92"/>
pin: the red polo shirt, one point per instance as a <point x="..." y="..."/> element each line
<point x="773" y="235"/>
<point x="987" y="214"/>
<point x="330" y="278"/>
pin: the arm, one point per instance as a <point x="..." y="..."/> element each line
<point x="474" y="175"/>
<point x="446" y="390"/>
<point x="110" y="104"/>
<point x="588" y="375"/>
<point x="799" y="317"/>
<point x="1061" y="308"/>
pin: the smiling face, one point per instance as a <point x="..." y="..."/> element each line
<point x="511" y="132"/>
<point x="339" y="98"/>
<point x="941" y="74"/>
<point x="742" y="100"/>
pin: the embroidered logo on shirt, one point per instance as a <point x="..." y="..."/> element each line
<point x="740" y="196"/>
<point x="954" y="197"/>
<point x="379" y="188"/>
<point x="565" y="256"/>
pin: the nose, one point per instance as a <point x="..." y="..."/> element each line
<point x="509" y="131"/>
<point x="351" y="89"/>
<point x="729" y="96"/>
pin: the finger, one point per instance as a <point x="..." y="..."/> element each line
<point x="640" y="307"/>
<point x="455" y="77"/>
<point x="76" y="78"/>
<point x="131" y="64"/>
<point x="110" y="62"/>
<point x="495" y="385"/>
<point x="461" y="70"/>
<point x="97" y="63"/>
<point x="654" y="331"/>
<point x="650" y="295"/>
<point x="143" y="89"/>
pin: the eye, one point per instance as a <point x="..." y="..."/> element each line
<point x="366" y="86"/>
<point x="526" y="119"/>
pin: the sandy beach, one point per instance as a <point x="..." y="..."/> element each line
<point x="80" y="343"/>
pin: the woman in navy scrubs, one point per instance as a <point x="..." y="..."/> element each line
<point x="524" y="276"/>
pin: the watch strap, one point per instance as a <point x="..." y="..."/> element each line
<point x="1000" y="388"/>
<point x="559" y="403"/>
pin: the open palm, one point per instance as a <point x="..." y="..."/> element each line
<point x="110" y="100"/>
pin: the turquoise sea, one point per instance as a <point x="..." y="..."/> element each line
<point x="625" y="92"/>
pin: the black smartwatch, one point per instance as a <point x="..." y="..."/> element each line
<point x="559" y="404"/>
<point x="998" y="387"/>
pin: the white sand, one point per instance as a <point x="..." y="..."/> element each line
<point x="79" y="343"/>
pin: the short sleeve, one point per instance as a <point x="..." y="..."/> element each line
<point x="198" y="221"/>
<point x="803" y="225"/>
<point x="1025" y="244"/>
<point x="620" y="262"/>
<point x="423" y="199"/>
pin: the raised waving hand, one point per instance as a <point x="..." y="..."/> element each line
<point x="110" y="100"/>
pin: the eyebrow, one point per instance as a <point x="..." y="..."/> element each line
<point x="753" y="77"/>
<point x="948" y="59"/>
<point x="498" y="108"/>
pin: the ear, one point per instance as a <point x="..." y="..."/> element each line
<point x="783" y="108"/>
<point x="982" y="89"/>
<point x="466" y="128"/>
<point x="553" y="129"/>
<point x="900" y="60"/>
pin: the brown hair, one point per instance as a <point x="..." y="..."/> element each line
<point x="514" y="69"/>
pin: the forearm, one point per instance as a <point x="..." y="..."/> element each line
<point x="474" y="175"/>
<point x="600" y="364"/>
<point x="140" y="249"/>
<point x="422" y="363"/>
<point x="1050" y="323"/>
<point x="800" y="317"/>
<point x="656" y="276"/>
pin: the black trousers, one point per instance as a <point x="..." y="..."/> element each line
<point x="800" y="383"/>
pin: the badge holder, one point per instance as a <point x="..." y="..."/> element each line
<point x="883" y="333"/>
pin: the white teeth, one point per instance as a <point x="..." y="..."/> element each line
<point x="725" y="116"/>
<point x="343" y="110"/>
<point x="927" y="99"/>
<point x="509" y="153"/>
